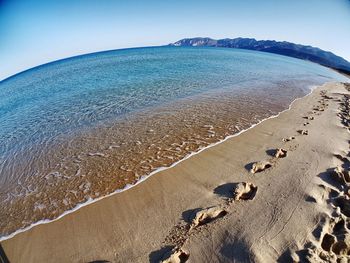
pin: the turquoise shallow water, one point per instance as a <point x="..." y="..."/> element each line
<point x="54" y="119"/>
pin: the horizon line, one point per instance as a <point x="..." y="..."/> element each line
<point x="153" y="46"/>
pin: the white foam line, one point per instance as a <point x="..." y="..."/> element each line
<point x="145" y="177"/>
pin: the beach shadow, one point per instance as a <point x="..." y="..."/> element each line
<point x="225" y="190"/>
<point x="317" y="232"/>
<point x="271" y="152"/>
<point x="3" y="257"/>
<point x="326" y="177"/>
<point x="310" y="199"/>
<point x="249" y="166"/>
<point x="304" y="253"/>
<point x="99" y="261"/>
<point x="341" y="158"/>
<point x="190" y="214"/>
<point x="236" y="251"/>
<point x="157" y="255"/>
<point x="346" y="162"/>
<point x="286" y="257"/>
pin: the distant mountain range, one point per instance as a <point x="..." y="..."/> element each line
<point x="310" y="53"/>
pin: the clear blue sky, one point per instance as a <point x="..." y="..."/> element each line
<point x="33" y="32"/>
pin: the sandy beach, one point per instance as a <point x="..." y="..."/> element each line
<point x="293" y="205"/>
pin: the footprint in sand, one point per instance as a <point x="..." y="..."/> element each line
<point x="327" y="241"/>
<point x="335" y="241"/>
<point x="333" y="235"/>
<point x="265" y="164"/>
<point x="332" y="244"/>
<point x="311" y="118"/>
<point x="343" y="202"/>
<point x="327" y="97"/>
<point x="177" y="255"/>
<point x="207" y="215"/>
<point x="344" y="111"/>
<point x="324" y="95"/>
<point x="303" y="132"/>
<point x="288" y="139"/>
<point x="260" y="166"/>
<point x="319" y="108"/>
<point x="181" y="232"/>
<point x="281" y="153"/>
<point x="244" y="191"/>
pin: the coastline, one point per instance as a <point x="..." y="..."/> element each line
<point x="154" y="189"/>
<point x="145" y="177"/>
<point x="72" y="163"/>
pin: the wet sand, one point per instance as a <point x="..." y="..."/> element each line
<point x="285" y="217"/>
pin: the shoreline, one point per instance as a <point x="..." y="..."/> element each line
<point x="150" y="219"/>
<point x="145" y="177"/>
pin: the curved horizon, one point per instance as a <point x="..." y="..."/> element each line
<point x="71" y="57"/>
<point x="127" y="48"/>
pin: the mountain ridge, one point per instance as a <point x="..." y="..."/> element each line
<point x="305" y="52"/>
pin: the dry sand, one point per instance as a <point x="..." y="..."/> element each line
<point x="288" y="212"/>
